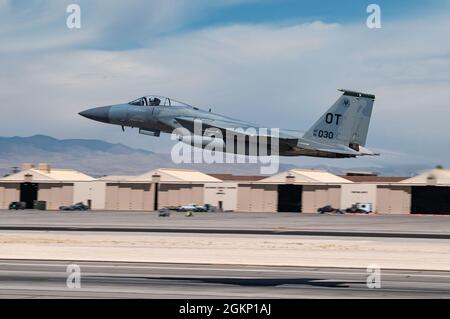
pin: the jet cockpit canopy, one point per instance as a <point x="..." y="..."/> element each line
<point x="156" y="100"/>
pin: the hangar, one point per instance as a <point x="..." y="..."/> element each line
<point x="295" y="190"/>
<point x="430" y="192"/>
<point x="385" y="193"/>
<point x="426" y="193"/>
<point x="225" y="195"/>
<point x="157" y="188"/>
<point x="56" y="187"/>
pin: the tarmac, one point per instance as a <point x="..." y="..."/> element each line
<point x="232" y="222"/>
<point x="223" y="255"/>
<point x="48" y="279"/>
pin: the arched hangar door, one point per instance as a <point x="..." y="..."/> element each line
<point x="290" y="198"/>
<point x="430" y="200"/>
<point x="28" y="194"/>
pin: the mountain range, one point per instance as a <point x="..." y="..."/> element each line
<point x="99" y="158"/>
<point x="96" y="157"/>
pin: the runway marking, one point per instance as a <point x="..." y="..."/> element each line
<point x="98" y="289"/>
<point x="290" y="271"/>
<point x="235" y="231"/>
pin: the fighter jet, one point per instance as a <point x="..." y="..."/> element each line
<point x="341" y="132"/>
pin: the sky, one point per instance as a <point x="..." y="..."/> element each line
<point x="278" y="63"/>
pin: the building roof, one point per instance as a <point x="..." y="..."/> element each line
<point x="304" y="176"/>
<point x="51" y="175"/>
<point x="116" y="178"/>
<point x="374" y="179"/>
<point x="435" y="176"/>
<point x="168" y="175"/>
<point x="237" y="178"/>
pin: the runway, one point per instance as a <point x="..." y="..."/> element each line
<point x="224" y="231"/>
<point x="222" y="255"/>
<point x="401" y="226"/>
<point x="47" y="279"/>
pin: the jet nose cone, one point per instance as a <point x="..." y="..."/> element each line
<point x="100" y="114"/>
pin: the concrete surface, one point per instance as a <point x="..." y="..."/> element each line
<point x="430" y="254"/>
<point x="250" y="221"/>
<point x="47" y="279"/>
<point x="178" y="258"/>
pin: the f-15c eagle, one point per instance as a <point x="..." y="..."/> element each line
<point x="339" y="133"/>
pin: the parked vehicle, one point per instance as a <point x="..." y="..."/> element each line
<point x="193" y="208"/>
<point x="329" y="209"/>
<point x="186" y="208"/>
<point x="164" y="212"/>
<point x="17" y="205"/>
<point x="75" y="207"/>
<point x="367" y="207"/>
<point x="358" y="209"/>
<point x="201" y="208"/>
<point x="171" y="207"/>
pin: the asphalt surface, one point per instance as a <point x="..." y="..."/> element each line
<point x="406" y="226"/>
<point x="48" y="279"/>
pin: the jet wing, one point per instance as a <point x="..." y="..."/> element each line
<point x="234" y="128"/>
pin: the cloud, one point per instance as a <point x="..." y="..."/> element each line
<point x="109" y="25"/>
<point x="277" y="75"/>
